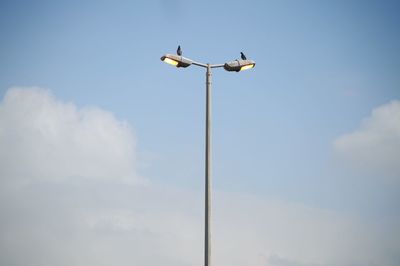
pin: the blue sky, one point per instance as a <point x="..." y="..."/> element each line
<point x="322" y="68"/>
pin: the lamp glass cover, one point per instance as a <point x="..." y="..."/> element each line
<point x="171" y="61"/>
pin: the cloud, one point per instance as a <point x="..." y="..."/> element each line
<point x="42" y="138"/>
<point x="70" y="196"/>
<point x="257" y="231"/>
<point x="375" y="146"/>
<point x="278" y="261"/>
<point x="100" y="224"/>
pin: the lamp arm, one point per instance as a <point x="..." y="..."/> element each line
<point x="205" y="65"/>
<point x="217" y="65"/>
<point x="199" y="64"/>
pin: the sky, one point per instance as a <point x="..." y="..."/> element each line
<point x="102" y="144"/>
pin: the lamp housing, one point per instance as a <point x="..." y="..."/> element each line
<point x="176" y="60"/>
<point x="239" y="65"/>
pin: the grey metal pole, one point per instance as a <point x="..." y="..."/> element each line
<point x="207" y="239"/>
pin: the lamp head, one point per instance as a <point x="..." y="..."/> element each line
<point x="239" y="65"/>
<point x="176" y="60"/>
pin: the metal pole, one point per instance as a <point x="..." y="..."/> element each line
<point x="207" y="239"/>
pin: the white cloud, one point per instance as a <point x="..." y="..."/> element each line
<point x="375" y="146"/>
<point x="65" y="214"/>
<point x="255" y="231"/>
<point x="90" y="224"/>
<point x="42" y="138"/>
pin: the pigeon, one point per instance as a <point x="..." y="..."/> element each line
<point x="242" y="56"/>
<point x="179" y="51"/>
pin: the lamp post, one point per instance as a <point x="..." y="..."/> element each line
<point x="237" y="65"/>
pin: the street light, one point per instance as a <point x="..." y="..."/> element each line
<point x="237" y="65"/>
